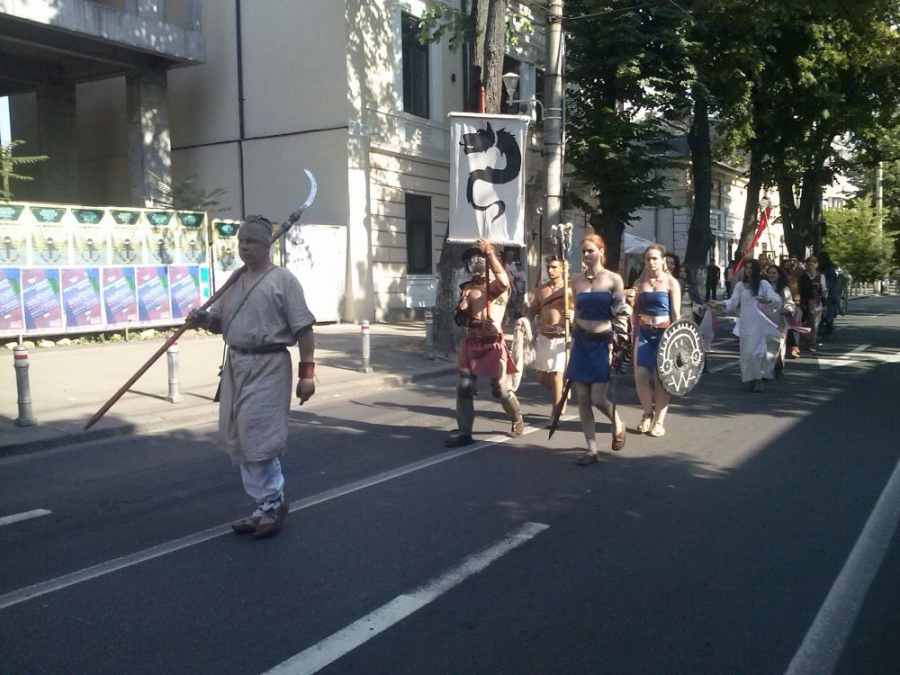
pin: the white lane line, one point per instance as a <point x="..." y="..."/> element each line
<point x="335" y="646"/>
<point x="729" y="364"/>
<point x="826" y="637"/>
<point x="88" y="573"/>
<point x="843" y="359"/>
<point x="27" y="515"/>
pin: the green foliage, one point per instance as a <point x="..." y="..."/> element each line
<point x="442" y="21"/>
<point x="8" y="164"/>
<point x="855" y="242"/>
<point x="186" y="196"/>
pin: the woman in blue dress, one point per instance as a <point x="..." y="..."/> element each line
<point x="658" y="305"/>
<point x="599" y="304"/>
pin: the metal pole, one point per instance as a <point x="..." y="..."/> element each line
<point x="429" y="335"/>
<point x="553" y="121"/>
<point x="364" y="334"/>
<point x="174" y="388"/>
<point x="20" y="362"/>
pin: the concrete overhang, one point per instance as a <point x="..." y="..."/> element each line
<point x="75" y="41"/>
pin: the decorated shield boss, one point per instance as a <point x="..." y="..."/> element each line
<point x="680" y="357"/>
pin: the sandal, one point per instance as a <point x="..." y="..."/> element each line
<point x="518" y="428"/>
<point x="618" y="441"/>
<point x="644" y="424"/>
<point x="587" y="458"/>
<point x="658" y="430"/>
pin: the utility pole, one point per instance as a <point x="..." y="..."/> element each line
<point x="879" y="176"/>
<point x="553" y="124"/>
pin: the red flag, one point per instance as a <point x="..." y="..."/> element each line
<point x="763" y="221"/>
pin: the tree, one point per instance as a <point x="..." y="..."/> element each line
<point x="482" y="33"/>
<point x="8" y="164"/>
<point x="627" y="79"/>
<point x="856" y="242"/>
<point x="186" y="196"/>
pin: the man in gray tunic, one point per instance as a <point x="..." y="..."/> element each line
<point x="259" y="317"/>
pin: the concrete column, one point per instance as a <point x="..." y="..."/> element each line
<point x="360" y="298"/>
<point x="150" y="145"/>
<point x="58" y="176"/>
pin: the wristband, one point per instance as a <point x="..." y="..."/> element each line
<point x="306" y="370"/>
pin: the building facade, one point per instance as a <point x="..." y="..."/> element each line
<point x="342" y="89"/>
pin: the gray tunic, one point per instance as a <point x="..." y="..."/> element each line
<point x="256" y="388"/>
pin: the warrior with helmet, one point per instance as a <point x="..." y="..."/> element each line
<point x="482" y="351"/>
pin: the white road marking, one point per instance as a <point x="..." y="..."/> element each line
<point x="729" y="364"/>
<point x="842" y="360"/>
<point x="88" y="573"/>
<point x="335" y="646"/>
<point x="826" y="637"/>
<point x="27" y="515"/>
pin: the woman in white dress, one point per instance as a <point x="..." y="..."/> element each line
<point x="779" y="282"/>
<point x="756" y="300"/>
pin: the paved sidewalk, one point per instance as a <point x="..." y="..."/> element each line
<point x="70" y="384"/>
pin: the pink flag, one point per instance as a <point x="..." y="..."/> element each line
<point x="793" y="325"/>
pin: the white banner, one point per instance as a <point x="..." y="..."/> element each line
<point x="487" y="179"/>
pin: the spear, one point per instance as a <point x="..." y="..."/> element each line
<point x="282" y="230"/>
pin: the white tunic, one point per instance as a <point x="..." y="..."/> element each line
<point x="757" y="359"/>
<point x="256" y="388"/>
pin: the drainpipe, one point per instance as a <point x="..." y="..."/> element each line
<point x="240" y="83"/>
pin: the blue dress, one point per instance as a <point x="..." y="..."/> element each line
<point x="589" y="360"/>
<point x="652" y="303"/>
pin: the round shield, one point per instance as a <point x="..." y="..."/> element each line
<point x="680" y="358"/>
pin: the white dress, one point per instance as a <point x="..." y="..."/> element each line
<point x="756" y="328"/>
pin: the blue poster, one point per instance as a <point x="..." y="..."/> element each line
<point x="81" y="297"/>
<point x="184" y="283"/>
<point x="119" y="295"/>
<point x="12" y="318"/>
<point x="153" y="293"/>
<point x="40" y="295"/>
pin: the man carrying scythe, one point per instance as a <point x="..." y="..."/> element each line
<point x="482" y="351"/>
<point x="259" y="317"/>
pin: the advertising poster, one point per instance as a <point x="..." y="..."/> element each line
<point x="119" y="295"/>
<point x="162" y="247"/>
<point x="13" y="239"/>
<point x="191" y="239"/>
<point x="81" y="297"/>
<point x="11" y="314"/>
<point x="89" y="241"/>
<point x="184" y="282"/>
<point x="153" y="294"/>
<point x="224" y="250"/>
<point x="49" y="237"/>
<point x="40" y="297"/>
<point x="126" y="239"/>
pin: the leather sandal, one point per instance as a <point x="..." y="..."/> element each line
<point x="658" y="430"/>
<point x="587" y="458"/>
<point x="518" y="428"/>
<point x="618" y="441"/>
<point x="644" y="424"/>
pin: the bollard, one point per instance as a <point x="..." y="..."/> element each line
<point x="174" y="386"/>
<point x="364" y="333"/>
<point x="429" y="335"/>
<point x="20" y="362"/>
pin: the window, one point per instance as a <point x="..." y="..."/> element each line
<point x="418" y="234"/>
<point x="415" y="69"/>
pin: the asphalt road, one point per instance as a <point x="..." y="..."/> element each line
<point x="758" y="536"/>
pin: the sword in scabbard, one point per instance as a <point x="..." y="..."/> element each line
<point x="558" y="408"/>
<point x="177" y="333"/>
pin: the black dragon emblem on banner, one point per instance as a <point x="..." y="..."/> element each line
<point x="482" y="141"/>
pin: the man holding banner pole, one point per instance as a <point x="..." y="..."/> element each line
<point x="482" y="351"/>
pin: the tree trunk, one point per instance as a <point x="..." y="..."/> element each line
<point x="488" y="44"/>
<point x="700" y="237"/>
<point x="611" y="230"/>
<point x="751" y="210"/>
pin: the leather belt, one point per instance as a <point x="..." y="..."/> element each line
<point x="262" y="349"/>
<point x="605" y="336"/>
<point x="656" y="327"/>
<point x="553" y="335"/>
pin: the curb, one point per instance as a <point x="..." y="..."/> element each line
<point x="56" y="436"/>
